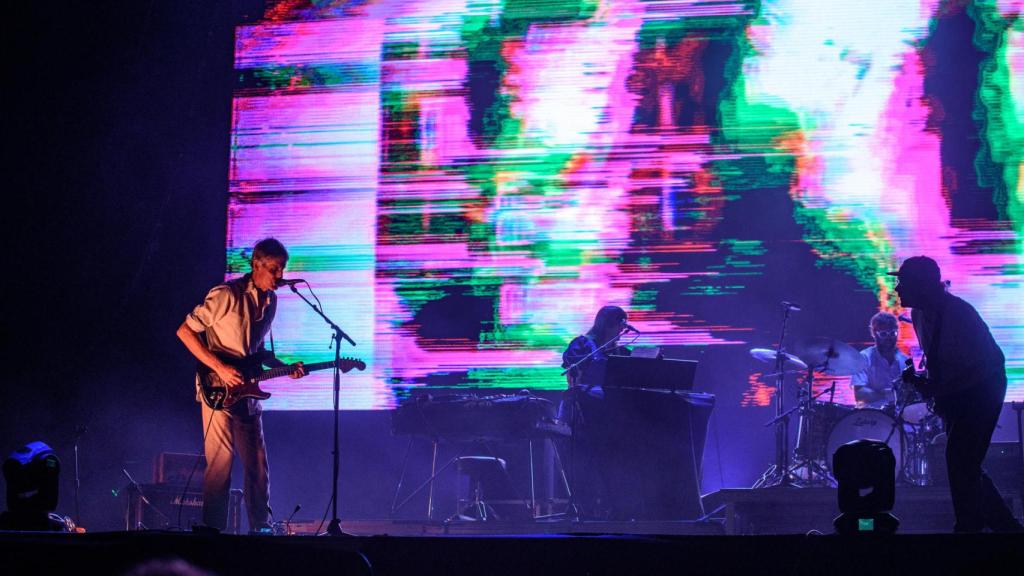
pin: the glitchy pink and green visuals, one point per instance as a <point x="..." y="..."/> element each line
<point x="466" y="182"/>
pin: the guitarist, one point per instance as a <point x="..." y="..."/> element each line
<point x="966" y="377"/>
<point x="231" y="323"/>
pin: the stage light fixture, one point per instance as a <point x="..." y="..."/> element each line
<point x="866" y="473"/>
<point x="32" y="473"/>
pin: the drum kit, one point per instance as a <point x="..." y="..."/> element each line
<point x="906" y="423"/>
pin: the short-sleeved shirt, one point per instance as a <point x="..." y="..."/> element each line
<point x="233" y="320"/>
<point x="878" y="373"/>
<point x="960" y="352"/>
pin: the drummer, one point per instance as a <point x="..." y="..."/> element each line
<point x="872" y="386"/>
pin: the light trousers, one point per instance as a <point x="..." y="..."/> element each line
<point x="240" y="430"/>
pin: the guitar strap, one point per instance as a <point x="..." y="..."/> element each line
<point x="931" y="362"/>
<point x="936" y="334"/>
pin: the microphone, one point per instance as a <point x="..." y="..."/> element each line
<point x="289" y="282"/>
<point x="790" y="306"/>
<point x="288" y="522"/>
<point x="629" y="328"/>
<point x="905" y="318"/>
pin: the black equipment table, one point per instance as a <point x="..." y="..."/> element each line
<point x="469" y="418"/>
<point x="641" y="452"/>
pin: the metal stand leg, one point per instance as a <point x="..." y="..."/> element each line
<point x="429" y="482"/>
<point x="533" y="490"/>
<point x="565" y="484"/>
<point x="433" y="474"/>
<point x="401" y="477"/>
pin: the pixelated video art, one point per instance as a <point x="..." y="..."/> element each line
<point x="465" y="182"/>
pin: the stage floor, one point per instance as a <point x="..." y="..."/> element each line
<point x="766" y="531"/>
<point x="732" y="511"/>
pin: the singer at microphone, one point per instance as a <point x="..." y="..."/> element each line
<point x="586" y="355"/>
<point x="211" y="334"/>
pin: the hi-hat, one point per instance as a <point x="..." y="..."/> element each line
<point x="831" y="356"/>
<point x="769" y="356"/>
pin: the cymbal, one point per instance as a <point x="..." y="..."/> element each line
<point x="831" y="356"/>
<point x="768" y="355"/>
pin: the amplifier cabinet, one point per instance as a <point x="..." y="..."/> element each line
<point x="156" y="507"/>
<point x="174" y="468"/>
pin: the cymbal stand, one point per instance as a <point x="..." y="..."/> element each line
<point x="807" y="460"/>
<point x="914" y="441"/>
<point x="778" y="473"/>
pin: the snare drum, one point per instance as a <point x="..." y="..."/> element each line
<point x="867" y="424"/>
<point x="911" y="405"/>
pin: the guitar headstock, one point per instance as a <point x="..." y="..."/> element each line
<point x="347" y="364"/>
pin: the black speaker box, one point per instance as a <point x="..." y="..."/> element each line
<point x="159" y="506"/>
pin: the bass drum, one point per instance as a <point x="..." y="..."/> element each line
<point x="867" y="424"/>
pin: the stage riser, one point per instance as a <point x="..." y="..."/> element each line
<point x="921" y="510"/>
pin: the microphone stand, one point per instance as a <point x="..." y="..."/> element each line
<point x="778" y="473"/>
<point x="334" y="528"/>
<point x="587" y="357"/>
<point x="142" y="498"/>
<point x="79" y="432"/>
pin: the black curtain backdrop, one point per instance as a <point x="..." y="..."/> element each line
<point x="116" y="123"/>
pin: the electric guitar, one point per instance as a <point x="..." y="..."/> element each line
<point x="219" y="396"/>
<point x="917" y="381"/>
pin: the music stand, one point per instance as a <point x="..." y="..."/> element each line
<point x="653" y="373"/>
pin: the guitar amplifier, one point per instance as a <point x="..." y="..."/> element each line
<point x="173" y="468"/>
<point x="156" y="507"/>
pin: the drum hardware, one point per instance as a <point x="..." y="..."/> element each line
<point x="917" y="458"/>
<point x="831" y="356"/>
<point x="868" y="424"/>
<point x="921" y="426"/>
<point x="809" y="444"/>
<point x="825" y="356"/>
<point x="906" y="424"/>
<point x="778" y="474"/>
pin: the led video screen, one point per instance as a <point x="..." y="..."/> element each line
<point x="465" y="182"/>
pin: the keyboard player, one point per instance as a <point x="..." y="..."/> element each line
<point x="594" y="457"/>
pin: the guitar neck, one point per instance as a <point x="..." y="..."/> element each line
<point x="286" y="370"/>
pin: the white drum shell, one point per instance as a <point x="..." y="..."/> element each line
<point x="867" y="424"/>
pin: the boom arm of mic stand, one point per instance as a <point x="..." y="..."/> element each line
<point x="142" y="495"/>
<point x="587" y="357"/>
<point x="337" y="329"/>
